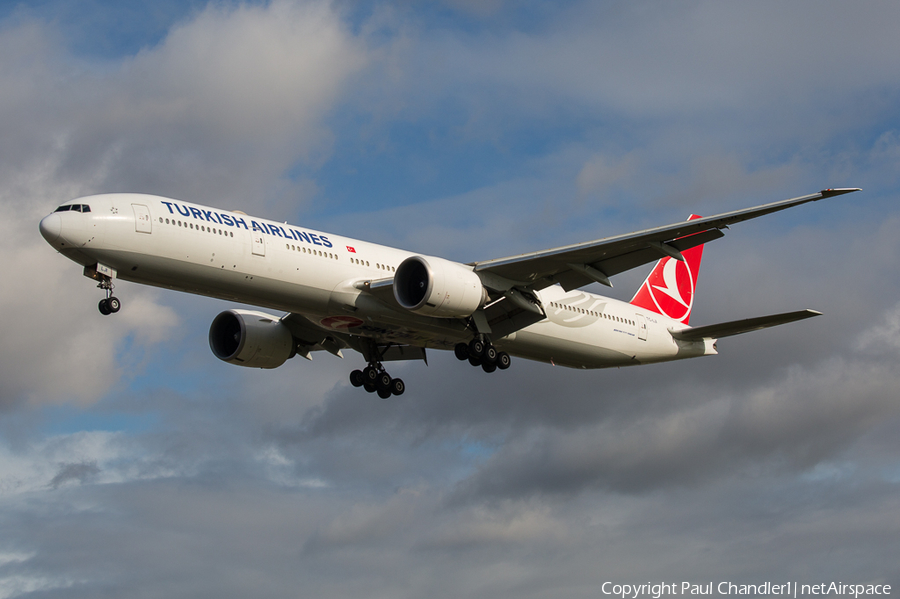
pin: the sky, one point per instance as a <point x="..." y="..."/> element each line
<point x="134" y="463"/>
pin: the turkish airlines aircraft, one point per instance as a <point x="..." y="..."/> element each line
<point x="389" y="304"/>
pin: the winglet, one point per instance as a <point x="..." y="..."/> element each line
<point x="830" y="193"/>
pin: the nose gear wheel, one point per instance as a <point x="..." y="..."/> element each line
<point x="110" y="304"/>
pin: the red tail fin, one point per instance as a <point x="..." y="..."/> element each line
<point x="669" y="290"/>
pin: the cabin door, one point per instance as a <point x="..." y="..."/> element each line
<point x="141" y="218"/>
<point x="642" y="326"/>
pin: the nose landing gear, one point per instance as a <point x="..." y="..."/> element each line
<point x="480" y="352"/>
<point x="375" y="379"/>
<point x="110" y="304"/>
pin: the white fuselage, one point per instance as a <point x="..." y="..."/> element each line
<point x="230" y="255"/>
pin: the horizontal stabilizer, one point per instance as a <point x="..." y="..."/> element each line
<point x="736" y="327"/>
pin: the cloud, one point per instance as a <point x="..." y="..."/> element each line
<point x="80" y="472"/>
<point x="530" y="128"/>
<point x="237" y="94"/>
<point x="882" y="337"/>
<point x="61" y="349"/>
<point x="601" y="172"/>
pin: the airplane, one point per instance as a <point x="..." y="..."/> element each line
<point x="388" y="304"/>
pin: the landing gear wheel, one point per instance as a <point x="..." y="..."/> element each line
<point x="370" y="374"/>
<point x="384" y="393"/>
<point x="503" y="360"/>
<point x="104" y="307"/>
<point x="370" y="387"/>
<point x="490" y="354"/>
<point x="474" y="361"/>
<point x="462" y="351"/>
<point x="398" y="386"/>
<point x="383" y="383"/>
<point x="488" y="367"/>
<point x="113" y="304"/>
<point x="476" y="348"/>
<point x="356" y="378"/>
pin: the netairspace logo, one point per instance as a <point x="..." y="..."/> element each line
<point x="788" y="589"/>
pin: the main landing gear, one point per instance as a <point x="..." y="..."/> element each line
<point x="480" y="352"/>
<point x="375" y="379"/>
<point x="110" y="304"/>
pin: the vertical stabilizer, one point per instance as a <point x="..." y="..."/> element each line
<point x="669" y="289"/>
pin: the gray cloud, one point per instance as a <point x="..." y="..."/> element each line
<point x="80" y="472"/>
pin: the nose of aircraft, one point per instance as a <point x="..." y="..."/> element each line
<point x="51" y="225"/>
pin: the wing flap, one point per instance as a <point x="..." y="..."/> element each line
<point x="737" y="327"/>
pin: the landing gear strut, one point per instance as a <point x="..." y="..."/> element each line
<point x="375" y="379"/>
<point x="110" y="304"/>
<point x="480" y="352"/>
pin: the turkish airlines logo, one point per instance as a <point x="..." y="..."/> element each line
<point x="672" y="289"/>
<point x="341" y="323"/>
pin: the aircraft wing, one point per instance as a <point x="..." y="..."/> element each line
<point x="574" y="266"/>
<point x="311" y="337"/>
<point x="736" y="327"/>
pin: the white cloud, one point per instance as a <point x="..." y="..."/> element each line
<point x="216" y="112"/>
<point x="56" y="346"/>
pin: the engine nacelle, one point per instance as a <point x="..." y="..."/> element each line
<point x="437" y="287"/>
<point x="252" y="339"/>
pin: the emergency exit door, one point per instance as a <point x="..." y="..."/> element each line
<point x="259" y="243"/>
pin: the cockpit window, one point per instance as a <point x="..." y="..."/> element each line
<point x="73" y="208"/>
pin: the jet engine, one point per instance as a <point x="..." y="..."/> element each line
<point x="437" y="287"/>
<point x="252" y="339"/>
